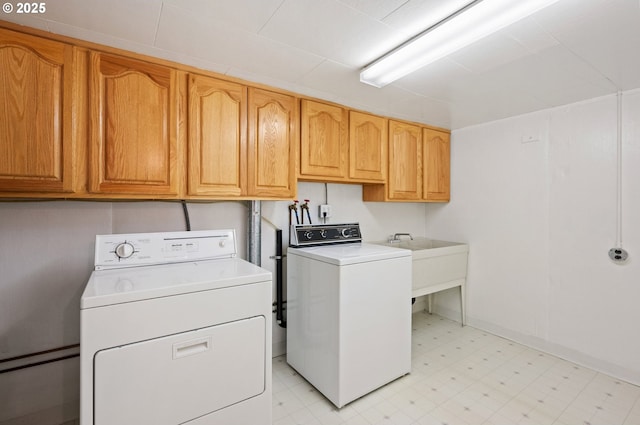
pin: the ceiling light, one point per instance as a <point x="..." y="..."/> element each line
<point x="471" y="23"/>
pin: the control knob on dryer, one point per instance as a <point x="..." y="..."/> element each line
<point x="124" y="250"/>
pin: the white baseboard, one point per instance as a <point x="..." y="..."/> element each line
<point x="625" y="374"/>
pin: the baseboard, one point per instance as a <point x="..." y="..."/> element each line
<point x="565" y="353"/>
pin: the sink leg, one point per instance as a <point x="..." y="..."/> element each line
<point x="429" y="303"/>
<point x="462" y="304"/>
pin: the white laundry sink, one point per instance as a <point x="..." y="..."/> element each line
<point x="430" y="247"/>
<point x="437" y="265"/>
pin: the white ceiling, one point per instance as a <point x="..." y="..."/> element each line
<point x="571" y="51"/>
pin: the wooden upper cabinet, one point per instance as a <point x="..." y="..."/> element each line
<point x="324" y="141"/>
<point x="368" y="136"/>
<point x="405" y="161"/>
<point x="437" y="164"/>
<point x="272" y="144"/>
<point x="37" y="77"/>
<point x="78" y="120"/>
<point x="133" y="119"/>
<point x="217" y="137"/>
<point x="242" y="141"/>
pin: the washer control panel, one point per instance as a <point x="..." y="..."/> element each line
<point x="323" y="234"/>
<point x="143" y="249"/>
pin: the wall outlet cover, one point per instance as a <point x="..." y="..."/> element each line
<point x="324" y="211"/>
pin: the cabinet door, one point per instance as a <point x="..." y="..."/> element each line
<point x="324" y="147"/>
<point x="436" y="165"/>
<point x="133" y="108"/>
<point x="368" y="137"/>
<point x="272" y="144"/>
<point x="405" y="161"/>
<point x="217" y="137"/>
<point x="36" y="135"/>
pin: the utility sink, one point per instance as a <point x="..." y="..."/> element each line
<point x="431" y="247"/>
<point x="437" y="265"/>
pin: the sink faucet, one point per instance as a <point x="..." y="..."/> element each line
<point x="396" y="237"/>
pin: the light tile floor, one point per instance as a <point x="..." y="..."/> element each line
<point x="465" y="376"/>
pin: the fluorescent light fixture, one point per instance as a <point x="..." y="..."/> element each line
<point x="471" y="23"/>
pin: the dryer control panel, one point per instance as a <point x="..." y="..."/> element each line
<point x="324" y="234"/>
<point x="144" y="249"/>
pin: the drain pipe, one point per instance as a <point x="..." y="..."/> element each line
<point x="280" y="302"/>
<point x="254" y="242"/>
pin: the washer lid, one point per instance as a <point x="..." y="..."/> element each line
<point x="116" y="286"/>
<point x="352" y="253"/>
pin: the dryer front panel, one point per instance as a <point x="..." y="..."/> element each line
<point x="177" y="378"/>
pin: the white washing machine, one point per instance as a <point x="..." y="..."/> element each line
<point x="175" y="330"/>
<point x="348" y="311"/>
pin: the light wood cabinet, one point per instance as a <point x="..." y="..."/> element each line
<point x="405" y="161"/>
<point x="437" y="165"/>
<point x="324" y="141"/>
<point x="133" y="120"/>
<point x="242" y="141"/>
<point x="217" y="147"/>
<point x="79" y="120"/>
<point x="273" y="138"/>
<point x="37" y="137"/>
<point x="341" y="145"/>
<point x="419" y="166"/>
<point x="368" y="140"/>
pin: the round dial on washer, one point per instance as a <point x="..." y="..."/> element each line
<point x="124" y="250"/>
<point x="308" y="234"/>
<point x="346" y="232"/>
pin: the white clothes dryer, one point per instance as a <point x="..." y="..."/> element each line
<point x="174" y="330"/>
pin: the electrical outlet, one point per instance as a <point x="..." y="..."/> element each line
<point x="618" y="255"/>
<point x="324" y="211"/>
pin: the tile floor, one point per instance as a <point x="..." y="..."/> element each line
<point x="464" y="376"/>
